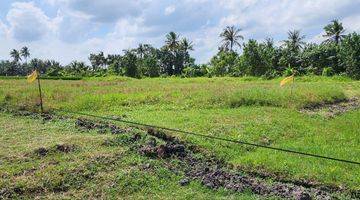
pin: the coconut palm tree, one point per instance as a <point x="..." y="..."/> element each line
<point x="230" y="38"/>
<point x="295" y="40"/>
<point x="186" y="45"/>
<point x="15" y="55"/>
<point x="25" y="53"/>
<point x="334" y="32"/>
<point x="172" y="41"/>
<point x="141" y="50"/>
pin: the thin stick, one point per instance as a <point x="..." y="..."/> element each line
<point x="292" y="86"/>
<point x="40" y="94"/>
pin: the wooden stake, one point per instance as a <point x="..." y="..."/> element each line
<point x="40" y="94"/>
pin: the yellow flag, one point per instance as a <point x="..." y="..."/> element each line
<point x="287" y="80"/>
<point x="32" y="77"/>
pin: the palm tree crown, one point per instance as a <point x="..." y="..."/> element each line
<point x="141" y="50"/>
<point x="295" y="40"/>
<point x="230" y="38"/>
<point x="25" y="53"/>
<point x="186" y="45"/>
<point x="334" y="32"/>
<point x="172" y="41"/>
<point x="15" y="55"/>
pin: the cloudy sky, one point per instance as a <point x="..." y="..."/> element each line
<point x="65" y="30"/>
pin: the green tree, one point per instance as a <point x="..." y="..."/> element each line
<point x="230" y="38"/>
<point x="15" y="55"/>
<point x="258" y="57"/>
<point x="350" y="55"/>
<point x="129" y="64"/>
<point x="224" y="63"/>
<point x="98" y="61"/>
<point x="315" y="58"/>
<point x="295" y="41"/>
<point x="25" y="53"/>
<point x="334" y="32"/>
<point x="172" y="41"/>
<point x="291" y="51"/>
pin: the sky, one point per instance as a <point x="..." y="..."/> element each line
<point x="67" y="30"/>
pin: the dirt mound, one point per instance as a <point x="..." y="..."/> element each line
<point x="41" y="151"/>
<point x="331" y="110"/>
<point x="163" y="151"/>
<point x="198" y="165"/>
<point x="101" y="127"/>
<point x="58" y="148"/>
<point x="209" y="170"/>
<point x="65" y="148"/>
<point x="215" y="173"/>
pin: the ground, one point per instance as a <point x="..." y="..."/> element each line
<point x="248" y="109"/>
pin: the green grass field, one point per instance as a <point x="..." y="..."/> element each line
<point x="248" y="109"/>
<point x="91" y="171"/>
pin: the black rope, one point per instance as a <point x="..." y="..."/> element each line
<point x="215" y="138"/>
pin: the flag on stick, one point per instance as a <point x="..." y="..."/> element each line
<point x="287" y="80"/>
<point x="32" y="77"/>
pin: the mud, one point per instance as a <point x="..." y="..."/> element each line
<point x="331" y="110"/>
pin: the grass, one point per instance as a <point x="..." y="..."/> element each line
<point x="247" y="108"/>
<point x="91" y="171"/>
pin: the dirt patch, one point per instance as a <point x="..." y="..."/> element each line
<point x="197" y="165"/>
<point x="163" y="151"/>
<point x="59" y="148"/>
<point x="101" y="127"/>
<point x="41" y="151"/>
<point x="215" y="173"/>
<point x="331" y="110"/>
<point x="65" y="148"/>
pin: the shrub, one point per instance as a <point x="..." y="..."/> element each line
<point x="327" y="71"/>
<point x="288" y="71"/>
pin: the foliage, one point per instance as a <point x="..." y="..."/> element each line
<point x="334" y="32"/>
<point x="339" y="52"/>
<point x="350" y="55"/>
<point x="230" y="38"/>
<point x="327" y="71"/>
<point x="224" y="63"/>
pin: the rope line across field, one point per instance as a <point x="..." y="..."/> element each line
<point x="215" y="138"/>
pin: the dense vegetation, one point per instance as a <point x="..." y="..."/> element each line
<point x="338" y="54"/>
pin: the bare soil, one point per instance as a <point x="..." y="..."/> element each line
<point x="330" y="110"/>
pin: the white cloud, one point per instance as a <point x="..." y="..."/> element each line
<point x="73" y="27"/>
<point x="84" y="26"/>
<point x="170" y="9"/>
<point x="352" y="23"/>
<point x="3" y="29"/>
<point x="27" y="22"/>
<point x="105" y="11"/>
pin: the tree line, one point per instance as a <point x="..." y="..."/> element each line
<point x="338" y="54"/>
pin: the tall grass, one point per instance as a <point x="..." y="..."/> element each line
<point x="110" y="92"/>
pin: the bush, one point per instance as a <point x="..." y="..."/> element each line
<point x="288" y="71"/>
<point x="327" y="71"/>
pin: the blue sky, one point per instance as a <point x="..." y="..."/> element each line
<point x="66" y="30"/>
